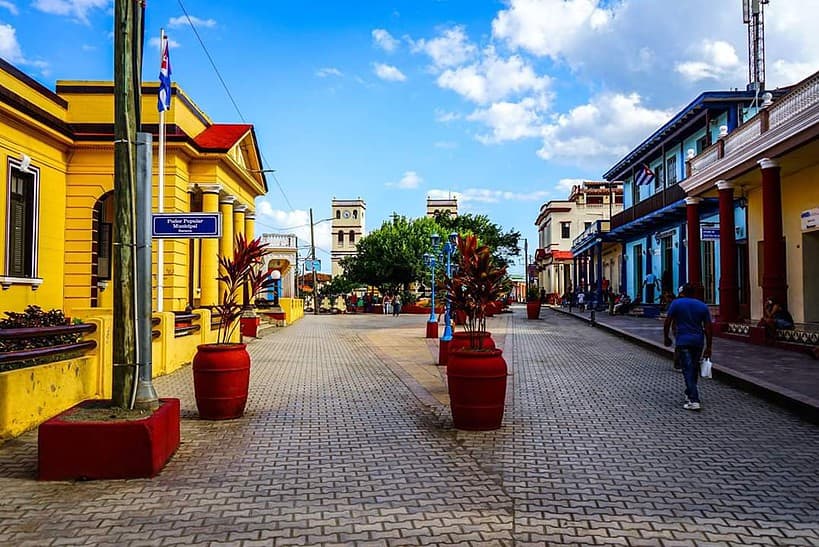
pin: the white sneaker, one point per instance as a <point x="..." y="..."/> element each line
<point x="692" y="406"/>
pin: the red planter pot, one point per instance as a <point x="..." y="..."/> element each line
<point x="460" y="317"/>
<point x="432" y="329"/>
<point x="250" y="326"/>
<point x="221" y="376"/>
<point x="533" y="309"/>
<point x="477" y="388"/>
<point x="460" y="340"/>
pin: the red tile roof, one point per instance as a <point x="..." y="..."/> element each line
<point x="222" y="136"/>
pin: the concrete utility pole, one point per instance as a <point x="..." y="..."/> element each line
<point x="128" y="16"/>
<point x="313" y="254"/>
<point x="526" y="266"/>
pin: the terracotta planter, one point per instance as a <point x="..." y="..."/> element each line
<point x="460" y="340"/>
<point x="221" y="376"/>
<point x="477" y="388"/>
<point x="533" y="309"/>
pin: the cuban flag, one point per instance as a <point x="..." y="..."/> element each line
<point x="164" y="102"/>
<point x="644" y="175"/>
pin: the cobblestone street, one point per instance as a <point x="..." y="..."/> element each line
<point x="347" y="440"/>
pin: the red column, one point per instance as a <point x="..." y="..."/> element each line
<point x="728" y="289"/>
<point x="774" y="284"/>
<point x="692" y="214"/>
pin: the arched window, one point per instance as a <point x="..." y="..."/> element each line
<point x="340" y="237"/>
<point x="355" y="214"/>
<point x="338" y="213"/>
<point x="352" y="237"/>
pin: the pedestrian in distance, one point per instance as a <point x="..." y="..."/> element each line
<point x="396" y="306"/>
<point x="693" y="331"/>
<point x="387" y="304"/>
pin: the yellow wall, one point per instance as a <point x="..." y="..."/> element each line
<point x="800" y="192"/>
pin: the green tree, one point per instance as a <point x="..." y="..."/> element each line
<point x="340" y="284"/>
<point x="391" y="257"/>
<point x="504" y="245"/>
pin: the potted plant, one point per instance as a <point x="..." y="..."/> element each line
<point x="221" y="371"/>
<point x="476" y="374"/>
<point x="532" y="303"/>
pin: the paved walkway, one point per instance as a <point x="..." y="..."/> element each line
<point x="347" y="441"/>
<point x="788" y="377"/>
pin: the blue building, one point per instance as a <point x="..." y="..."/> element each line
<point x="652" y="227"/>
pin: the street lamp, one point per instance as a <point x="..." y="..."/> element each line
<point x="449" y="249"/>
<point x="431" y="260"/>
<point x="276" y="276"/>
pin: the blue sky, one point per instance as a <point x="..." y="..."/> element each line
<point x="504" y="103"/>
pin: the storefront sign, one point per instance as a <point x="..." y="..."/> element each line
<point x="810" y="220"/>
<point x="186" y="225"/>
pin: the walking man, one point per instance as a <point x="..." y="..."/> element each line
<point x="692" y="330"/>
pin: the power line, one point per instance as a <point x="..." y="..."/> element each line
<point x="230" y="95"/>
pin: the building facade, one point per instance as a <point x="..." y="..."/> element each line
<point x="560" y="222"/>
<point x="348" y="228"/>
<point x="58" y="168"/>
<point x="447" y="205"/>
<point x="653" y="228"/>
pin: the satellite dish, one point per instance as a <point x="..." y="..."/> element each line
<point x="25" y="163"/>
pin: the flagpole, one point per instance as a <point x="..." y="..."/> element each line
<point x="160" y="249"/>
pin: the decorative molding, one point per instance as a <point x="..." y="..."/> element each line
<point x="691" y="200"/>
<point x="205" y="188"/>
<point x="767" y="163"/>
<point x="725" y="185"/>
<point x="239" y="208"/>
<point x="6" y="282"/>
<point x="250" y="215"/>
<point x="227" y="200"/>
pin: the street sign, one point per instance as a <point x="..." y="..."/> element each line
<point x="709" y="232"/>
<point x="810" y="220"/>
<point x="186" y="225"/>
<point x="311" y="265"/>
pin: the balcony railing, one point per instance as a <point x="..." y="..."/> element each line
<point x="800" y="99"/>
<point x="649" y="205"/>
<point x="80" y="346"/>
<point x="281" y="241"/>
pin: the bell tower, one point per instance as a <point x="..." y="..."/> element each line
<point x="347" y="229"/>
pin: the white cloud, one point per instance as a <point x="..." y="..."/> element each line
<point x="9" y="6"/>
<point x="328" y="71"/>
<point x="384" y="40"/>
<point x="79" y="9"/>
<point x="549" y="27"/>
<point x="606" y="128"/>
<point x="9" y="47"/>
<point x="451" y="48"/>
<point x="172" y="44"/>
<point x="494" y="78"/>
<point x="485" y="195"/>
<point x="442" y="116"/>
<point x="388" y="73"/>
<point x="567" y="184"/>
<point x="409" y="181"/>
<point x="269" y="219"/>
<point x="509" y="121"/>
<point x="446" y="145"/>
<point x="716" y="60"/>
<point x="182" y="21"/>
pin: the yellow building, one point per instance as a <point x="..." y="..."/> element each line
<point x="56" y="225"/>
<point x="58" y="202"/>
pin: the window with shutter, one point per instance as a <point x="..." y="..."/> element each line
<point x="21" y="243"/>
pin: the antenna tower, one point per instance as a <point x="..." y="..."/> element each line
<point x="753" y="15"/>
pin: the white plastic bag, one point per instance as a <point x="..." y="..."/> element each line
<point x="705" y="368"/>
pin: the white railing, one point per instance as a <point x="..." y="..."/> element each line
<point x="707" y="157"/>
<point x="800" y="99"/>
<point x="746" y="133"/>
<point x="281" y="241"/>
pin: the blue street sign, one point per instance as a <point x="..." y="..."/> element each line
<point x="709" y="232"/>
<point x="311" y="265"/>
<point x="186" y="225"/>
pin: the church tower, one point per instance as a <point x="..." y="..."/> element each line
<point x="348" y="229"/>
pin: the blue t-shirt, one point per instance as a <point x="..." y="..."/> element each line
<point x="689" y="316"/>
